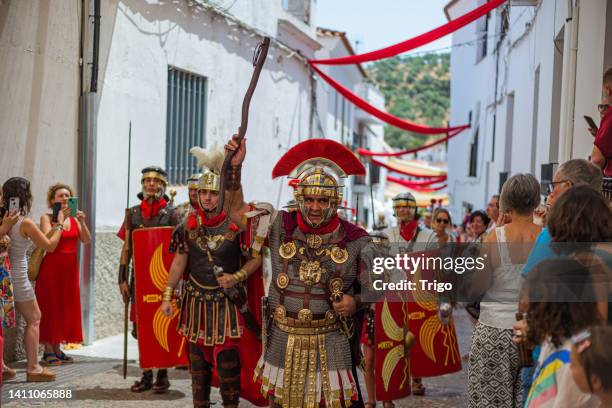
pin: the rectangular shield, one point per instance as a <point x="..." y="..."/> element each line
<point x="391" y="356"/>
<point x="159" y="343"/>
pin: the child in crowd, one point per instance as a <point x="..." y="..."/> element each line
<point x="591" y="363"/>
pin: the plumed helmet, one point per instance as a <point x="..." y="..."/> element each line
<point x="318" y="164"/>
<point x="211" y="161"/>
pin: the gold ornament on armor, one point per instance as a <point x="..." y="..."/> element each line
<point x="305" y="315"/>
<point x="282" y="280"/>
<point x="212" y="242"/>
<point x="339" y="255"/>
<point x="311" y="272"/>
<point x="287" y="250"/>
<point x="314" y="241"/>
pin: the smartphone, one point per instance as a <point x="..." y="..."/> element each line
<point x="73" y="204"/>
<point x="13" y="204"/>
<point x="56" y="209"/>
<point x="589" y="120"/>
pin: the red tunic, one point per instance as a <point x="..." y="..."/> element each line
<point x="58" y="293"/>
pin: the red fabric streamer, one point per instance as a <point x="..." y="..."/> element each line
<point x="406" y="173"/>
<point x="365" y="152"/>
<point x="415" y="42"/>
<point x="420" y="189"/>
<point x="387" y="117"/>
<point x="423" y="183"/>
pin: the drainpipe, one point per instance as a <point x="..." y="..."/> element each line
<point x="568" y="93"/>
<point x="90" y="44"/>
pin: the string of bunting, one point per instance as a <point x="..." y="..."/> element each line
<point x="408" y="173"/>
<point x="392" y="51"/>
<point x="410" y="186"/>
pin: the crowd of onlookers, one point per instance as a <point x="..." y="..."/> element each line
<point x="42" y="286"/>
<point x="541" y="310"/>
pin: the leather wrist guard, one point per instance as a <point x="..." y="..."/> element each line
<point x="123" y="274"/>
<point x="232" y="178"/>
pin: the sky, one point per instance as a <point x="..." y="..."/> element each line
<point x="380" y="23"/>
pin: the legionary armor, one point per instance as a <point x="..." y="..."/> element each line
<point x="307" y="358"/>
<point x="207" y="315"/>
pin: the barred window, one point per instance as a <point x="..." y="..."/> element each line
<point x="185" y="122"/>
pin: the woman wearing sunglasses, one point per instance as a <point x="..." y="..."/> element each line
<point x="443" y="226"/>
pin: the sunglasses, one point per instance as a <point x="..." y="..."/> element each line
<point x="602" y="107"/>
<point x="551" y="185"/>
<point x="442" y="220"/>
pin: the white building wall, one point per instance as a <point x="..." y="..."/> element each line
<point x="146" y="39"/>
<point x="39" y="88"/>
<point x="528" y="45"/>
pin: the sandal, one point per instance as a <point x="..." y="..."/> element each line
<point x="369" y="404"/>
<point x="44" y="376"/>
<point x="388" y="404"/>
<point x="64" y="358"/>
<point x="50" y="359"/>
<point x="8" y="373"/>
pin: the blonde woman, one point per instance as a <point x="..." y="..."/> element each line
<point x="57" y="287"/>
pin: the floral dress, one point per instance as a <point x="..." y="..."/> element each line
<point x="7" y="301"/>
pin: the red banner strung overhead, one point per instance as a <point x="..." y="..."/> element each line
<point x="415" y="42"/>
<point x="420" y="183"/>
<point x="384" y="116"/>
<point x="416" y="187"/>
<point x="408" y="173"/>
<point x="365" y="152"/>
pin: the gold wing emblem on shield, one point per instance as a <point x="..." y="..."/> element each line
<point x="428" y="332"/>
<point x="423" y="298"/>
<point x="159" y="277"/>
<point x="157" y="269"/>
<point x="395" y="333"/>
<point x="160" y="325"/>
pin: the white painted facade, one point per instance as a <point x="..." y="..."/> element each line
<point x="39" y="89"/>
<point x="147" y="38"/>
<point x="535" y="116"/>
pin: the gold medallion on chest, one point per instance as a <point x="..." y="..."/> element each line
<point x="339" y="255"/>
<point x="282" y="280"/>
<point x="287" y="250"/>
<point x="314" y="241"/>
<point x="310" y="272"/>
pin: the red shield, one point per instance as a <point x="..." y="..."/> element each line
<point x="159" y="344"/>
<point x="392" y="358"/>
<point x="436" y="351"/>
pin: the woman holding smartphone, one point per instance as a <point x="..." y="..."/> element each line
<point x="16" y="190"/>
<point x="57" y="286"/>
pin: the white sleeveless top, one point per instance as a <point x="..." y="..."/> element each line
<point x="500" y="304"/>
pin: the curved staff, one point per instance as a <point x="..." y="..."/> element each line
<point x="259" y="57"/>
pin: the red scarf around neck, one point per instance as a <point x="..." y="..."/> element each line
<point x="324" y="229"/>
<point x="151" y="209"/>
<point x="211" y="222"/>
<point x="408" y="229"/>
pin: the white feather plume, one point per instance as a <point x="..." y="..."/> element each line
<point x="211" y="159"/>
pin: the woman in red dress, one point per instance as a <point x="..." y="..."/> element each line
<point x="57" y="285"/>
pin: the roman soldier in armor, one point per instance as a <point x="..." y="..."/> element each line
<point x="317" y="263"/>
<point x="188" y="207"/>
<point x="153" y="211"/>
<point x="425" y="308"/>
<point x="224" y="284"/>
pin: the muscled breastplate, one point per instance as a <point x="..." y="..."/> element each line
<point x="212" y="250"/>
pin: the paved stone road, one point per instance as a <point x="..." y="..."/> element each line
<point x="97" y="382"/>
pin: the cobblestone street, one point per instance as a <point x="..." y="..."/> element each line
<point x="96" y="381"/>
